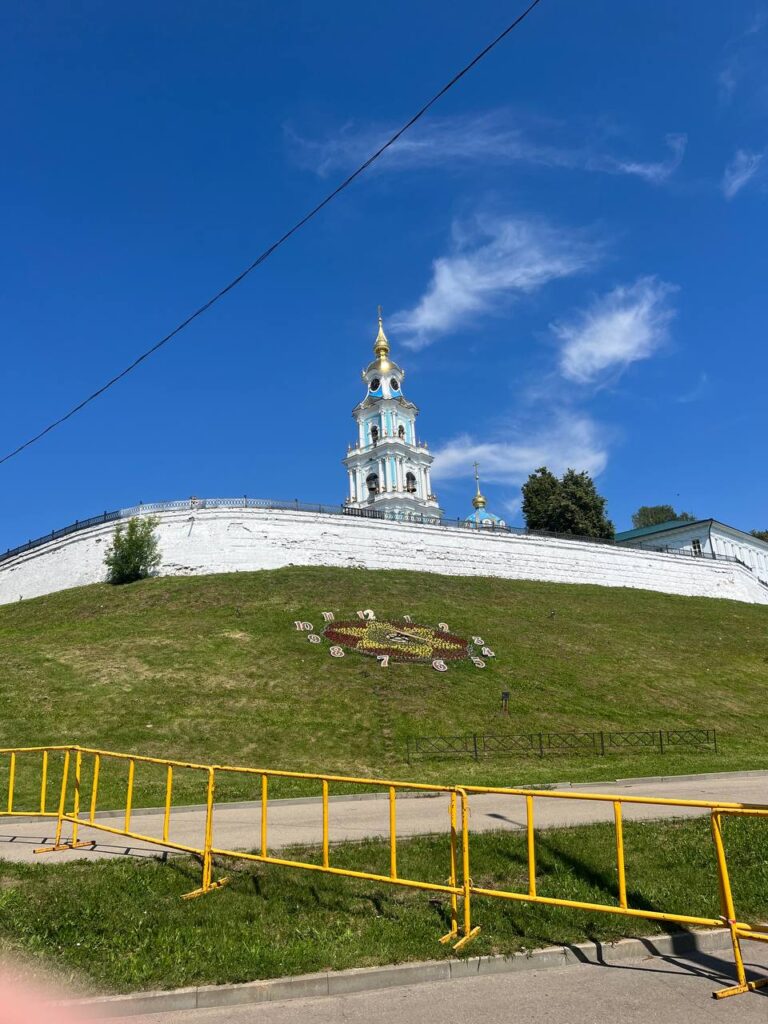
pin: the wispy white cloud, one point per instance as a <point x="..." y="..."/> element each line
<point x="655" y="173"/>
<point x="627" y="324"/>
<point x="497" y="138"/>
<point x="739" y="171"/>
<point x="697" y="392"/>
<point x="572" y="440"/>
<point x="744" y="61"/>
<point x="511" y="506"/>
<point x="492" y="260"/>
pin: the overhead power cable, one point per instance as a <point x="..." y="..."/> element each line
<point x="276" y="245"/>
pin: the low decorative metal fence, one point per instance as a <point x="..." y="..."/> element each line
<point x="543" y="744"/>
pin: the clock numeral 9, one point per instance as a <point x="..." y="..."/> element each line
<point x="488" y="653"/>
<point x="383" y="660"/>
<point x="478" y="641"/>
<point x="314" y="638"/>
<point x="336" y="652"/>
<point x="439" y="665"/>
<point x="443" y="626"/>
<point x="305" y="627"/>
<point x="478" y="662"/>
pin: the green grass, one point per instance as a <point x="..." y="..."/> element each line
<point x="120" y="925"/>
<point x="211" y="669"/>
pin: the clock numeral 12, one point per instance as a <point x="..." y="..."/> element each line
<point x="367" y="614"/>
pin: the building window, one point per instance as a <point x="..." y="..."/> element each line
<point x="372" y="483"/>
<point x="696" y="545"/>
<point x="410" y="483"/>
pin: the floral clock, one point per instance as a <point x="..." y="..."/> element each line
<point x="397" y="640"/>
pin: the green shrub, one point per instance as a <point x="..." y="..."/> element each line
<point x="134" y="553"/>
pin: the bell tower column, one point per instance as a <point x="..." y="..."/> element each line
<point x="386" y="447"/>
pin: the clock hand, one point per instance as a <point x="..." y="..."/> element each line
<point x="411" y="636"/>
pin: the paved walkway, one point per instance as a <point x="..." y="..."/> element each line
<point x="657" y="990"/>
<point x="237" y="827"/>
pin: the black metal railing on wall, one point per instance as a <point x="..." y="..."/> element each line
<point x="195" y="504"/>
<point x="475" y="745"/>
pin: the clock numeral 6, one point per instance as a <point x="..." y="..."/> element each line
<point x="383" y="660"/>
<point x="336" y="652"/>
<point x="314" y="638"/>
<point x="368" y="614"/>
<point x="443" y="626"/>
<point x="305" y="627"/>
<point x="478" y="663"/>
<point x="439" y="665"/>
<point x="488" y="653"/>
<point x="327" y="616"/>
<point x="478" y="641"/>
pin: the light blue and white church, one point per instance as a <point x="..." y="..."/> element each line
<point x="389" y="466"/>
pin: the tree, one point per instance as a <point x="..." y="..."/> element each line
<point x="654" y="515"/>
<point x="760" y="534"/>
<point x="134" y="553"/>
<point x="569" y="505"/>
<point x="539" y="492"/>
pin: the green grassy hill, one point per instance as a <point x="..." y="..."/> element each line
<point x="212" y="669"/>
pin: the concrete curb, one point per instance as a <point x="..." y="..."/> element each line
<point x="295" y="800"/>
<point x="367" y="979"/>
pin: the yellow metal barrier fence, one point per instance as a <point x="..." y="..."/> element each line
<point x="81" y="763"/>
<point x="738" y="929"/>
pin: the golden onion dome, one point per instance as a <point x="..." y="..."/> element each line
<point x="479" y="500"/>
<point x="381" y="364"/>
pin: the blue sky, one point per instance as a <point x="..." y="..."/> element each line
<point x="570" y="250"/>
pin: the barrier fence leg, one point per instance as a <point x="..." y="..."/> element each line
<point x="469" y="931"/>
<point x="68" y="844"/>
<point x="207" y="857"/>
<point x="453" y="933"/>
<point x="729" y="916"/>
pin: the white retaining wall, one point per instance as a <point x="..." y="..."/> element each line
<point x="201" y="541"/>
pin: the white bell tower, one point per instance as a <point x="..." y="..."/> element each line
<point x="388" y="466"/>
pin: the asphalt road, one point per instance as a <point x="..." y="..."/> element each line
<point x="657" y="990"/>
<point x="237" y="827"/>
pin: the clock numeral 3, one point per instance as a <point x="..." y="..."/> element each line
<point x="478" y="641"/>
